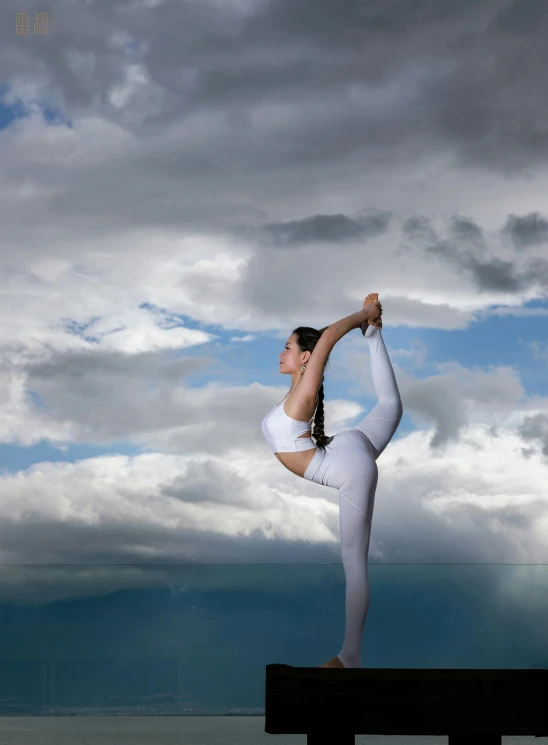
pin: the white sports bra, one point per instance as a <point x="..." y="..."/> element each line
<point x="282" y="433"/>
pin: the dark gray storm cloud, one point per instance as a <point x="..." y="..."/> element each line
<point x="466" y="77"/>
<point x="527" y="230"/>
<point x="335" y="229"/>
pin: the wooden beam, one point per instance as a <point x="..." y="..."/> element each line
<point x="331" y="705"/>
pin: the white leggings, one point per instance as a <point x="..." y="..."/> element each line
<point x="348" y="464"/>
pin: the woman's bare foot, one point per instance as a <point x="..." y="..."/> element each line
<point x="370" y="300"/>
<point x="335" y="662"/>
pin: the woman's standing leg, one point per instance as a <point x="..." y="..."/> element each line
<point x="356" y="501"/>
<point x="348" y="464"/>
<point x="383" y="420"/>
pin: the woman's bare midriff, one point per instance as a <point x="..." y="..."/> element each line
<point x="298" y="462"/>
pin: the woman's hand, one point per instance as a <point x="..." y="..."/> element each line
<point x="369" y="315"/>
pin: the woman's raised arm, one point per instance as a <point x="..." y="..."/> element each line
<point x="337" y="330"/>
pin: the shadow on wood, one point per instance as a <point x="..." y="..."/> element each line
<point x="469" y="706"/>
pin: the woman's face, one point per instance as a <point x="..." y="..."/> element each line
<point x="291" y="357"/>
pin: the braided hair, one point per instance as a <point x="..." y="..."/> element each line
<point x="307" y="338"/>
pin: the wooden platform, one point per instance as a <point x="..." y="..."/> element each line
<point x="471" y="707"/>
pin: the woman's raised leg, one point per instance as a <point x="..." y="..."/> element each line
<point x="383" y="420"/>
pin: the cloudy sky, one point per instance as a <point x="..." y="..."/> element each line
<point x="183" y="183"/>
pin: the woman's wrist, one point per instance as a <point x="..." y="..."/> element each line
<point x="360" y="317"/>
<point x="363" y="313"/>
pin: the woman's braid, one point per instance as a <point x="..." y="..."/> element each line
<point x="307" y="338"/>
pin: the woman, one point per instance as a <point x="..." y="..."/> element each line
<point x="347" y="461"/>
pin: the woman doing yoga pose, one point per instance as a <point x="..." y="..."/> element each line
<point x="346" y="461"/>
